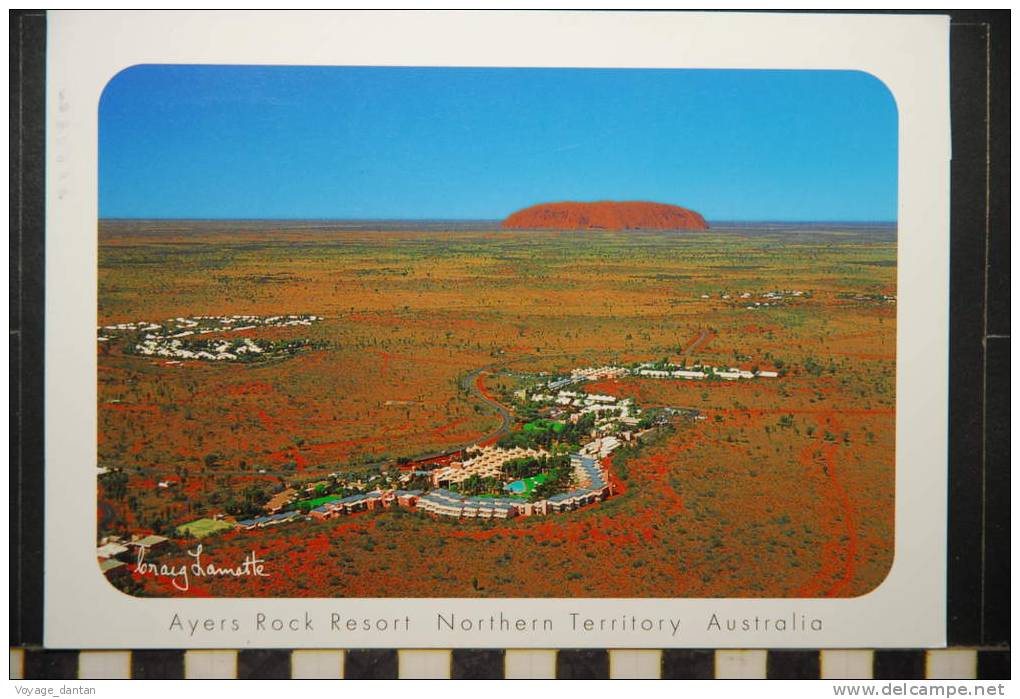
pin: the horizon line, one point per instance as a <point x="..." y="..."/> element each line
<point x="461" y="219"/>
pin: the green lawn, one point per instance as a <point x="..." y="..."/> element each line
<point x="543" y="425"/>
<point x="317" y="501"/>
<point x="204" y="527"/>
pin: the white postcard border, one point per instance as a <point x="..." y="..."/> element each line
<point x="908" y="53"/>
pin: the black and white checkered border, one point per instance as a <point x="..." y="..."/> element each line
<point x="951" y="663"/>
<point x="978" y="598"/>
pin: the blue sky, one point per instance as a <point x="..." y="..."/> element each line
<point x="282" y="142"/>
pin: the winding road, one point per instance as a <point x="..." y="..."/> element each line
<point x="470" y="383"/>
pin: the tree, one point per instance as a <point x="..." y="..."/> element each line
<point x="115" y="484"/>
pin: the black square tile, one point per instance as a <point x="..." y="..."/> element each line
<point x="478" y="665"/>
<point x="255" y="664"/>
<point x="582" y="665"/>
<point x="51" y="664"/>
<point x="793" y="665"/>
<point x="899" y="665"/>
<point x="993" y="665"/>
<point x="685" y="664"/>
<point x="157" y="664"/>
<point x="370" y="664"/>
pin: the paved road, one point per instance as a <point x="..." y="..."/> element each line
<point x="470" y="383"/>
<point x="506" y="419"/>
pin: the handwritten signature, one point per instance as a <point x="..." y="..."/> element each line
<point x="180" y="575"/>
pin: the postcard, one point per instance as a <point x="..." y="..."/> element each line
<point x="357" y="338"/>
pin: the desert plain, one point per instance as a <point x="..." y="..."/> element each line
<point x="779" y="487"/>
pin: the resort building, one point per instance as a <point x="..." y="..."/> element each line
<point x="111" y="567"/>
<point x="685" y="374"/>
<point x="358" y="502"/>
<point x="445" y="503"/>
<point x="111" y="550"/>
<point x="280" y="501"/>
<point x="407" y="498"/>
<point x="600" y="447"/>
<point x="596" y="373"/>
<point x="269" y="521"/>
<point x="487" y="463"/>
<point x="152" y="542"/>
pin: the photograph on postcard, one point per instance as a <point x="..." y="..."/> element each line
<point x="383" y="332"/>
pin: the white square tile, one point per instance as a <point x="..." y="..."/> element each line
<point x="530" y="664"/>
<point x="635" y="664"/>
<point x="846" y="664"/>
<point x="951" y="664"/>
<point x="104" y="665"/>
<point x="423" y="664"/>
<point x="741" y="664"/>
<point x="210" y="664"/>
<point x="317" y="664"/>
<point x="17" y="663"/>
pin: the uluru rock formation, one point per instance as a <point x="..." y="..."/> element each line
<point x="609" y="215"/>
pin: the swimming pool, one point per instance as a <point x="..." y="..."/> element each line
<point x="526" y="485"/>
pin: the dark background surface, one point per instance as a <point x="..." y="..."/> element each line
<point x="27" y="50"/>
<point x="978" y="602"/>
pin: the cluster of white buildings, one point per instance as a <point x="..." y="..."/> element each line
<point x="701" y="372"/>
<point x="202" y="325"/>
<point x="613" y="415"/>
<point x="596" y="403"/>
<point x="881" y="298"/>
<point x="174" y="348"/>
<point x="580" y="403"/>
<point x="597" y="373"/>
<point x="106" y="332"/>
<point x="239" y="322"/>
<point x="592" y="403"/>
<point x="164" y="339"/>
<point x="770" y="298"/>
